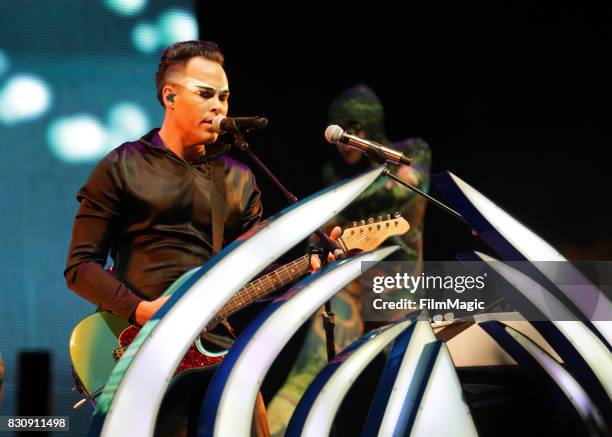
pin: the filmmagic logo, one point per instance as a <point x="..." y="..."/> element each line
<point x="429" y="304"/>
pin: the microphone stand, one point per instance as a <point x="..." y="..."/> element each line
<point x="328" y="315"/>
<point x="378" y="158"/>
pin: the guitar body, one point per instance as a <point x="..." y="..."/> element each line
<point x="91" y="350"/>
<point x="196" y="357"/>
<point x="97" y="338"/>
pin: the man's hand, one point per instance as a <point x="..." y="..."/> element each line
<point x="315" y="261"/>
<point x="145" y="309"/>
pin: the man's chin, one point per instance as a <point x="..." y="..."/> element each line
<point x="206" y="138"/>
<point x="213" y="138"/>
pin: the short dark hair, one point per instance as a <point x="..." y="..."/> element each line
<point x="178" y="54"/>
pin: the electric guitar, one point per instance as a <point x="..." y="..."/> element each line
<point x="99" y="340"/>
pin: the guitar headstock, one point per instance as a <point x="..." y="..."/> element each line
<point x="371" y="234"/>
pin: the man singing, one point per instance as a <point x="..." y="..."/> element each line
<point x="150" y="203"/>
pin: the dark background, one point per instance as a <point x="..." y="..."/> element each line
<point x="514" y="99"/>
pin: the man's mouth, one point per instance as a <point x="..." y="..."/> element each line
<point x="207" y="124"/>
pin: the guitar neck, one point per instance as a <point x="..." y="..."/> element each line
<point x="361" y="237"/>
<point x="261" y="287"/>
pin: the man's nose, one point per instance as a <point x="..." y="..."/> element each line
<point x="218" y="106"/>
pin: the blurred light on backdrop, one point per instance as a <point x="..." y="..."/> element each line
<point x="82" y="138"/>
<point x="126" y="7"/>
<point x="77" y="139"/>
<point x="172" y="26"/>
<point x="126" y="122"/>
<point x="177" y="25"/>
<point x="144" y="37"/>
<point x="23" y="97"/>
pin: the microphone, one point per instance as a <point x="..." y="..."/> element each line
<point x="336" y="135"/>
<point x="232" y="124"/>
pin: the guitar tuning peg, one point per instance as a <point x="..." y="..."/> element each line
<point x="397" y="214"/>
<point x="370" y="220"/>
<point x="354" y="224"/>
<point x="362" y="222"/>
<point x="388" y="216"/>
<point x="380" y="218"/>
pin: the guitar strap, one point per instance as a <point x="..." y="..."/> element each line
<point x="218" y="204"/>
<point x="219" y="207"/>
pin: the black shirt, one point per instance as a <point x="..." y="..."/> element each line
<point x="151" y="210"/>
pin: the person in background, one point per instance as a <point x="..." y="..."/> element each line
<point x="360" y="112"/>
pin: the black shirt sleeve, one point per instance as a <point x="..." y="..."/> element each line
<point x="93" y="231"/>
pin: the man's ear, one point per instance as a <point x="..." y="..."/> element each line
<point x="168" y="94"/>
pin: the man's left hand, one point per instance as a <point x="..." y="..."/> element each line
<point x="315" y="261"/>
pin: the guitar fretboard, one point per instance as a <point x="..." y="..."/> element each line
<point x="361" y="237"/>
<point x="263" y="286"/>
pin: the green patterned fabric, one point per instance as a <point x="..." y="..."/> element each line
<point x="360" y="104"/>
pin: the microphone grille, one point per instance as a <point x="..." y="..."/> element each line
<point x="216" y="123"/>
<point x="333" y="133"/>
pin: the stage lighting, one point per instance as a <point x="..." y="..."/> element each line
<point x="144" y="37"/>
<point x="177" y="25"/>
<point x="24" y="97"/>
<point x="79" y="138"/>
<point x="126" y="7"/>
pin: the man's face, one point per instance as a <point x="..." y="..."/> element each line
<point x="201" y="92"/>
<point x="351" y="155"/>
